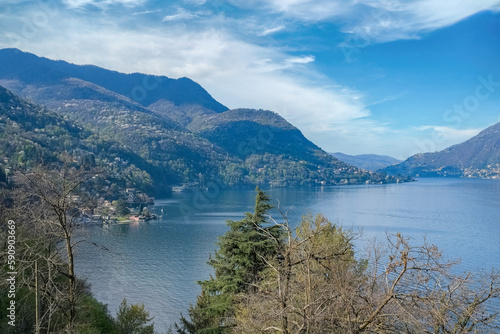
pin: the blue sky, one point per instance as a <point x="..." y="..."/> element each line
<point x="364" y="76"/>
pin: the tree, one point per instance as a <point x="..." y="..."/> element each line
<point x="237" y="265"/>
<point x="94" y="317"/>
<point x="3" y="176"/>
<point x="315" y="285"/>
<point x="121" y="207"/>
<point x="53" y="189"/>
<point x="418" y="292"/>
<point x="133" y="319"/>
<point x="88" y="161"/>
<point x="44" y="206"/>
<point x="305" y="283"/>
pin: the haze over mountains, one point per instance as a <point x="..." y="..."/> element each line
<point x="371" y="162"/>
<point x="170" y="130"/>
<point x="477" y="157"/>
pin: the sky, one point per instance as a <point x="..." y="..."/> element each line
<point x="363" y="76"/>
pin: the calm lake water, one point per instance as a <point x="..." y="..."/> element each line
<point x="157" y="263"/>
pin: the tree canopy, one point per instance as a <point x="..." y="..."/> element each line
<point x="270" y="278"/>
<point x="237" y="265"/>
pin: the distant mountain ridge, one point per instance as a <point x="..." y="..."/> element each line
<point x="372" y="162"/>
<point x="477" y="157"/>
<point x="143" y="89"/>
<point x="176" y="131"/>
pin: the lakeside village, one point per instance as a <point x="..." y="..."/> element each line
<point x="133" y="209"/>
<point x="129" y="206"/>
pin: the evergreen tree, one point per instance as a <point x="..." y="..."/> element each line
<point x="3" y="176"/>
<point x="237" y="265"/>
<point x="121" y="207"/>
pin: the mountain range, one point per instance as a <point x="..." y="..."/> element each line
<point x="371" y="162"/>
<point x="155" y="131"/>
<point x="477" y="157"/>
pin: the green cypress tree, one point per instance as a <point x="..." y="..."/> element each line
<point x="237" y="265"/>
<point x="3" y="176"/>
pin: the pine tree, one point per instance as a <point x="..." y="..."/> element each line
<point x="237" y="265"/>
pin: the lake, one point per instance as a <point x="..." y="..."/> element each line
<point x="158" y="262"/>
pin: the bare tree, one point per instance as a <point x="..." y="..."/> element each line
<point x="294" y="295"/>
<point x="317" y="286"/>
<point x="45" y="204"/>
<point x="55" y="190"/>
<point x="418" y="292"/>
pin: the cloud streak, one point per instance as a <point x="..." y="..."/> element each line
<point x="388" y="20"/>
<point x="448" y="134"/>
<point x="181" y="15"/>
<point x="377" y="21"/>
<point x="147" y="12"/>
<point x="273" y="30"/>
<point x="102" y="3"/>
<point x="300" y="60"/>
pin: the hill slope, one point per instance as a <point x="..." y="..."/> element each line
<point x="476" y="157"/>
<point x="31" y="134"/>
<point x="177" y="131"/>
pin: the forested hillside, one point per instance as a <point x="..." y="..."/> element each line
<point x="174" y="133"/>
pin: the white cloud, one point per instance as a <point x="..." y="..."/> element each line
<point x="300" y="60"/>
<point x="102" y="3"/>
<point x="310" y="10"/>
<point x="181" y="15"/>
<point x="392" y="20"/>
<point x="379" y="20"/>
<point x="195" y="2"/>
<point x="431" y="14"/>
<point x="270" y="31"/>
<point x="448" y="134"/>
<point x="147" y="12"/>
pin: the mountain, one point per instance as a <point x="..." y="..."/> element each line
<point x="476" y="157"/>
<point x="266" y="132"/>
<point x="172" y="130"/>
<point x="142" y="89"/>
<point x="371" y="162"/>
<point x="31" y="134"/>
<point x="28" y="130"/>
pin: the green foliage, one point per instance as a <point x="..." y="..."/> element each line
<point x="94" y="317"/>
<point x="237" y="264"/>
<point x="316" y="285"/>
<point x="88" y="161"/>
<point x="3" y="176"/>
<point x="121" y="207"/>
<point x="133" y="319"/>
<point x="301" y="286"/>
<point x="25" y="311"/>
